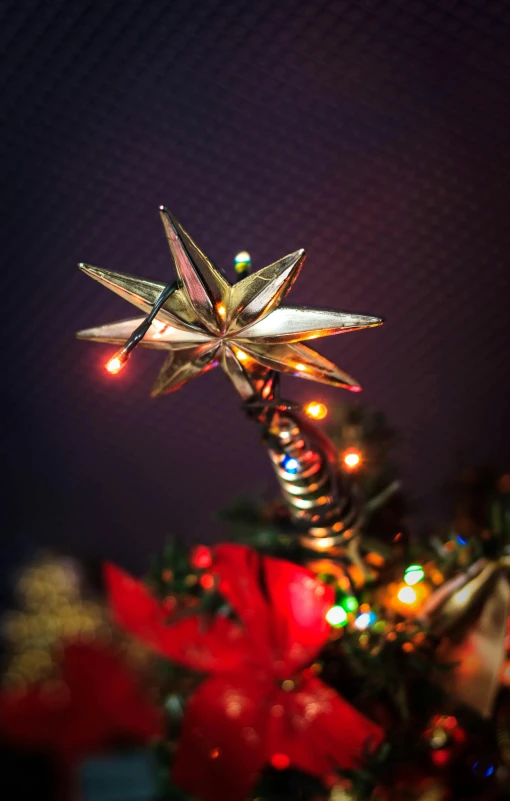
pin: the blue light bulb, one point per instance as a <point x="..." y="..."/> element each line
<point x="365" y="620"/>
<point x="483" y="770"/>
<point x="290" y="464"/>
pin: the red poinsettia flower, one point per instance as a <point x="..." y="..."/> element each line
<point x="97" y="703"/>
<point x="259" y="704"/>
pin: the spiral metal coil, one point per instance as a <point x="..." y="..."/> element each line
<point x="321" y="501"/>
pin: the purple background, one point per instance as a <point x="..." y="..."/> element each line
<point x="376" y="134"/>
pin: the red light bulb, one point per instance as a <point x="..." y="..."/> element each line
<point x="117" y="362"/>
<point x="207" y="581"/>
<point x="280" y="761"/>
<point x="201" y="557"/>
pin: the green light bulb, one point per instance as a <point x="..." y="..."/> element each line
<point x="413" y="574"/>
<point x="336" y="616"/>
<point x="242" y="262"/>
<point x="350" y="603"/>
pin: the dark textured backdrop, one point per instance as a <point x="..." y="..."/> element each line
<point x="374" y="133"/>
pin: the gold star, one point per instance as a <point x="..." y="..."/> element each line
<point x="241" y="327"/>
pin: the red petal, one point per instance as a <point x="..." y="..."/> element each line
<point x="319" y="731"/>
<point x="218" y="646"/>
<point x="234" y="726"/>
<point x="223" y="743"/>
<point x="35" y="717"/>
<point x="286" y="623"/>
<point x="240" y="569"/>
<point x="299" y="602"/>
<point x="98" y="701"/>
<point x="107" y="698"/>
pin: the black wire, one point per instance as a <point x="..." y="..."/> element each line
<point x="139" y="333"/>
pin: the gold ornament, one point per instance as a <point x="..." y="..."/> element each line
<point x="470" y="612"/>
<point x="241" y="327"/>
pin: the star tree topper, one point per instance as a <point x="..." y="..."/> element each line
<point x="242" y="327"/>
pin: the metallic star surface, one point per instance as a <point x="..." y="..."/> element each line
<point x="240" y="327"/>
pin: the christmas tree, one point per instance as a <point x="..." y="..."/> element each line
<point x="323" y="652"/>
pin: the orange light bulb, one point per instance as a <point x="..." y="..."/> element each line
<point x="116" y="363"/>
<point x="407" y="595"/>
<point x="316" y="410"/>
<point x="114" y="366"/>
<point x="352" y="459"/>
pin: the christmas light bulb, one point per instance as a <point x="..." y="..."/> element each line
<point x="289" y="464"/>
<point x="336" y="616"/>
<point x="407" y="595"/>
<point x="207" y="581"/>
<point x="201" y="557"/>
<point x="316" y="410"/>
<point x="352" y="459"/>
<point x="116" y="363"/>
<point x="413" y="574"/>
<point x="350" y="603"/>
<point x="242" y="262"/>
<point x="483" y="769"/>
<point x="365" y="620"/>
<point x="280" y="761"/>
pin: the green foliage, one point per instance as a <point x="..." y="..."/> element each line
<point x="390" y="678"/>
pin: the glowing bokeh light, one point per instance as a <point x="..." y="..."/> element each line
<point x="350" y="603"/>
<point x="201" y="557"/>
<point x="316" y="410"/>
<point x="483" y="770"/>
<point x="407" y="595"/>
<point x="115" y="365"/>
<point x="352" y="458"/>
<point x="336" y="616"/>
<point x="413" y="574"/>
<point x="365" y="620"/>
<point x="207" y="581"/>
<point x="242" y="258"/>
<point x="290" y="464"/>
<point x="280" y="761"/>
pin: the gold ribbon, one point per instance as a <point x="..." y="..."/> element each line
<point x="470" y="613"/>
